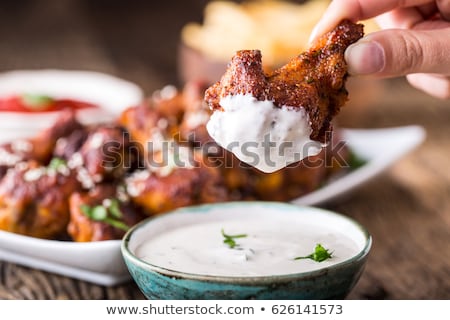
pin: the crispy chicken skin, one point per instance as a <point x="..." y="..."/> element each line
<point x="8" y="158"/>
<point x="147" y="127"/>
<point x="244" y="182"/>
<point x="34" y="200"/>
<point x="180" y="117"/>
<point x="159" y="190"/>
<point x="314" y="80"/>
<point x="44" y="143"/>
<point x="106" y="153"/>
<point x="196" y="115"/>
<point x="39" y="148"/>
<point x="67" y="146"/>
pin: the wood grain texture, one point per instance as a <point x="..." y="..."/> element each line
<point x="407" y="209"/>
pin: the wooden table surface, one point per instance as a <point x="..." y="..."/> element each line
<point x="406" y="209"/>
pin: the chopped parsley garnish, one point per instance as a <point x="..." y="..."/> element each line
<point x="57" y="163"/>
<point x="230" y="239"/>
<point x="109" y="214"/>
<point x="320" y="254"/>
<point x="36" y="101"/>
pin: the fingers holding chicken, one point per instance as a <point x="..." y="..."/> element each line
<point x="293" y="105"/>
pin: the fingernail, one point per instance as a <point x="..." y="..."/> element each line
<point x="365" y="57"/>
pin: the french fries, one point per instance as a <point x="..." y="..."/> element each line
<point x="280" y="29"/>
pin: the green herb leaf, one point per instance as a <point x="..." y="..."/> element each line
<point x="229" y="239"/>
<point x="86" y="210"/>
<point x="110" y="215"/>
<point x="114" y="209"/>
<point x="117" y="224"/>
<point x="36" y="101"/>
<point x="230" y="242"/>
<point x="56" y="163"/>
<point x="99" y="213"/>
<point x="320" y="254"/>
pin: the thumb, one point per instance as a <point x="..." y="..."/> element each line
<point x="397" y="52"/>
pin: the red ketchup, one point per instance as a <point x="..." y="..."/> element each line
<point x="39" y="103"/>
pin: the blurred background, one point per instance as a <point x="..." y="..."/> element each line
<point x="143" y="41"/>
<point x="136" y="39"/>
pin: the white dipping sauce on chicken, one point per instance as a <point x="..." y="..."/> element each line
<point x="261" y="134"/>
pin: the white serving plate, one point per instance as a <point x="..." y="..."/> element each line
<point x="102" y="263"/>
<point x="379" y="147"/>
<point x="111" y="94"/>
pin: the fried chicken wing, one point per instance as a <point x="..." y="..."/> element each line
<point x="106" y="153"/>
<point x="9" y="158"/>
<point x="43" y="144"/>
<point x="184" y="180"/>
<point x="196" y="115"/>
<point x="39" y="148"/>
<point x="67" y="146"/>
<point x="169" y="115"/>
<point x="314" y="80"/>
<point x="148" y="128"/>
<point x="244" y="182"/>
<point x="34" y="199"/>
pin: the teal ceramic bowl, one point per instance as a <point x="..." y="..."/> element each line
<point x="205" y="278"/>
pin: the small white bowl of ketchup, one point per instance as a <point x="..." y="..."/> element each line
<point x="30" y="100"/>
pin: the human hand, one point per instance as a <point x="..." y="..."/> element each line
<point x="416" y="44"/>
